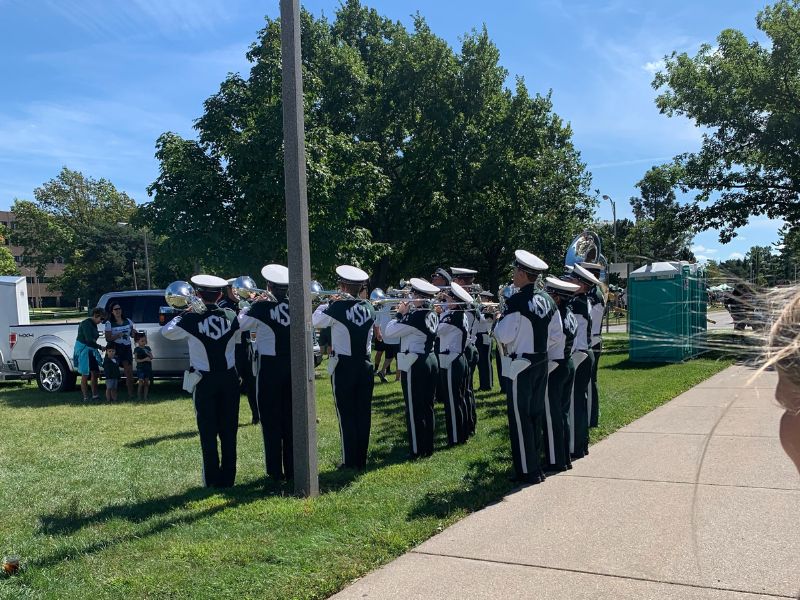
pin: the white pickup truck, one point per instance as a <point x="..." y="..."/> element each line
<point x="46" y="349"/>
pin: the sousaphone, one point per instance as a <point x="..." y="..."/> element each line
<point x="586" y="247"/>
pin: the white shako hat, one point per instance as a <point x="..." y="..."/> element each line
<point x="458" y="271"/>
<point x="580" y="273"/>
<point x="231" y="280"/>
<point x="529" y="262"/>
<point x="351" y="274"/>
<point x="276" y="274"/>
<point x="559" y="286"/>
<point x="456" y="291"/>
<point x="592" y="267"/>
<point x="208" y="283"/>
<point x="423" y="287"/>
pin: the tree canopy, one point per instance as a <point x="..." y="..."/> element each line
<point x="746" y="96"/>
<point x="417" y="155"/>
<point x="77" y="219"/>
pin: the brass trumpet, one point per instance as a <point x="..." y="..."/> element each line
<point x="245" y="289"/>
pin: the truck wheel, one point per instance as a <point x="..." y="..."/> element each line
<point x="52" y="375"/>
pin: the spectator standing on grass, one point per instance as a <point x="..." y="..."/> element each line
<point x="144" y="366"/>
<point x="119" y="333"/>
<point x="111" y="372"/>
<point x="86" y="356"/>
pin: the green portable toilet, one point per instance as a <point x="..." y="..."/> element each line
<point x="667" y="307"/>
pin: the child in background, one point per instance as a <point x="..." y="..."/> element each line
<point x="112" y="373"/>
<point x="144" y="365"/>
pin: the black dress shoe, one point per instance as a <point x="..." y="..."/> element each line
<point x="553" y="469"/>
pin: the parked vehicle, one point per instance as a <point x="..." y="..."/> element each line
<point x="44" y="351"/>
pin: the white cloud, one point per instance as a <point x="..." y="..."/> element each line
<point x="171" y="18"/>
<point x="653" y="66"/>
<point x="699" y="248"/>
<point x="735" y="256"/>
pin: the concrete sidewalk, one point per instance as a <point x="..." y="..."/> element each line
<point x="694" y="500"/>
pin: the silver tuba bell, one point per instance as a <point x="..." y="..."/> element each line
<point x="586" y="247"/>
<point x="180" y="295"/>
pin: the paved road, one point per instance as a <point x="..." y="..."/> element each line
<point x="695" y="500"/>
<point x="722" y="320"/>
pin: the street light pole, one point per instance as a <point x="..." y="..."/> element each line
<point x="147" y="261"/>
<point x="614" y="220"/>
<point x="146" y="255"/>
<point x="304" y="409"/>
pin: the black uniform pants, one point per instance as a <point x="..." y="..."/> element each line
<point x="244" y="367"/>
<point x="471" y="354"/>
<point x="353" y="382"/>
<point x="216" y="405"/>
<point x="498" y="357"/>
<point x="419" y="390"/>
<point x="559" y="392"/>
<point x="579" y="423"/>
<point x="275" y="411"/>
<point x="525" y="404"/>
<point x="485" y="370"/>
<point x="594" y="397"/>
<point x="452" y="391"/>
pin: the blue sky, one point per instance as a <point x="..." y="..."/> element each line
<point x="90" y="84"/>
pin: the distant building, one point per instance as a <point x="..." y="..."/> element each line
<point x="39" y="292"/>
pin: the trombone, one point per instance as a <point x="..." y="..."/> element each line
<point x="321" y="296"/>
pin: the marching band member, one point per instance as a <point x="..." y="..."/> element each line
<point x="525" y="328"/>
<point x="244" y="363"/>
<point x="416" y="330"/>
<point x="466" y="278"/>
<point x="484" y="344"/>
<point x="583" y="359"/>
<point x="559" y="382"/>
<point x="441" y="278"/>
<point x="212" y="337"/>
<point x="269" y="318"/>
<point x="452" y="333"/>
<point x="350" y="365"/>
<point x="598" y="310"/>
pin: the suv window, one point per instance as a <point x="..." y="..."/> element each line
<point x="128" y="304"/>
<point x="148" y="308"/>
<point x="139" y="309"/>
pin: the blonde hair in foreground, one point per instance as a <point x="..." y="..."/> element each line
<point x="783" y="348"/>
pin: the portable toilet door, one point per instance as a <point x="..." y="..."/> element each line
<point x="657" y="313"/>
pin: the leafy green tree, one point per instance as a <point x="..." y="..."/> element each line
<point x="78" y="218"/>
<point x="416" y="155"/>
<point x="745" y="95"/>
<point x="658" y="232"/>
<point x="8" y="265"/>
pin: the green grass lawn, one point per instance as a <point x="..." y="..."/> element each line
<point x="103" y="501"/>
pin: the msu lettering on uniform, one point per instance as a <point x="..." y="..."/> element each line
<point x="358" y="314"/>
<point x="214" y="326"/>
<point x="538" y="306"/>
<point x="280" y="314"/>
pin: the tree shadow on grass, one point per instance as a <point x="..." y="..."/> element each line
<point x="152" y="441"/>
<point x="484" y="483"/>
<point x="70" y="518"/>
<point x="164" y="512"/>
